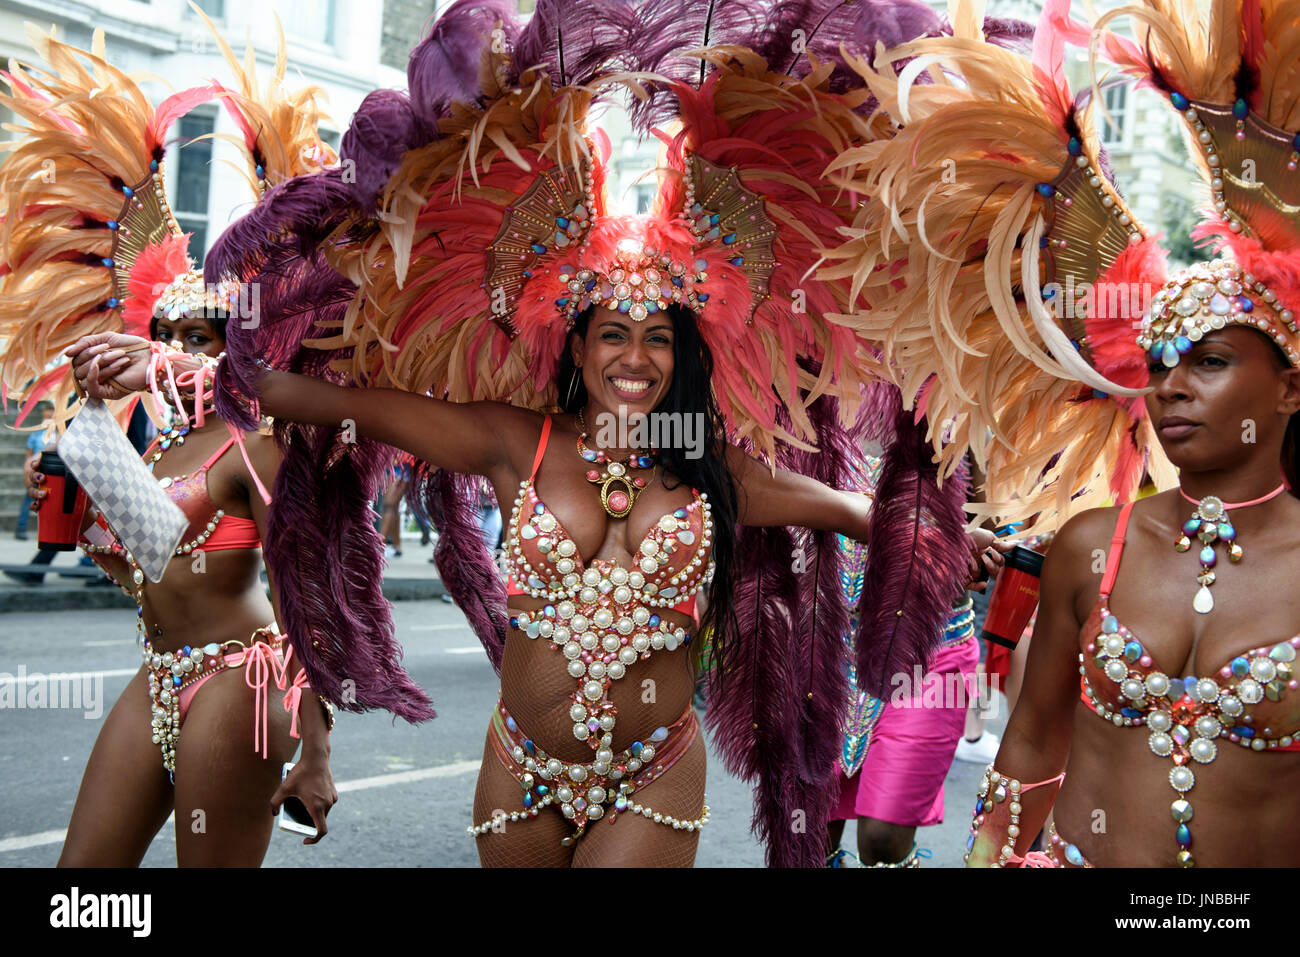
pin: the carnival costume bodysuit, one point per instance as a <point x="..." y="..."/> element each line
<point x="602" y="618"/>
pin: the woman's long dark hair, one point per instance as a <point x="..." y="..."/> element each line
<point x="1291" y="439"/>
<point x="689" y="393"/>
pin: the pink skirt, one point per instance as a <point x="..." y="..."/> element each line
<point x="912" y="746"/>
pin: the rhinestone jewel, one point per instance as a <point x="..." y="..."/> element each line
<point x="1157" y="684"/>
<point x="1207" y="726"/>
<point x="1263" y="670"/>
<point x="1250" y="691"/>
<point x="1283" y="652"/>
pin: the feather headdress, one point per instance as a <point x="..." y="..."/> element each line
<point x="80" y="199"/>
<point x="487" y="233"/>
<point x="1234" y="79"/>
<point x="89" y="243"/>
<point x="993" y="245"/>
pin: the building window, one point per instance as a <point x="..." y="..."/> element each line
<point x="1112" y="126"/>
<point x="193" y="179"/>
<point x="310" y="20"/>
<point x="645" y="196"/>
<point x="216" y="9"/>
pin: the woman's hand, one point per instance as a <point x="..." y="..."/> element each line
<point x="33" y="479"/>
<point x="311" y="782"/>
<point x="108" y="365"/>
<point x="986" y="555"/>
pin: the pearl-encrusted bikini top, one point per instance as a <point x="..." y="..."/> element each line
<point x="672" y="560"/>
<point x="1251" y="701"/>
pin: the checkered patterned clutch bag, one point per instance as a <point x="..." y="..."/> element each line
<point x="145" y="520"/>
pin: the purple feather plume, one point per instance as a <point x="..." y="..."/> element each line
<point x="664" y="29"/>
<point x="823" y="614"/>
<point x="575" y="41"/>
<point x="444" y="67"/>
<point x="322" y="550"/>
<point x="783" y="33"/>
<point x="299" y="300"/>
<point x="292" y="219"/>
<point x="450" y="501"/>
<point x="752" y="691"/>
<point x="917" y="559"/>
<point x="777" y="704"/>
<point x="827" y="25"/>
<point x="1014" y="35"/>
<point x="326" y="560"/>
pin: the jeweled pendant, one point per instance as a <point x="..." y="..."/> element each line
<point x="1203" y="603"/>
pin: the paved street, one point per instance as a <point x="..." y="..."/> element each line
<point x="406" y="792"/>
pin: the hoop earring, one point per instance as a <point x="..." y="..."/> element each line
<point x="573" y="387"/>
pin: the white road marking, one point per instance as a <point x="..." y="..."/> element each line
<point x="472" y="650"/>
<point x="406" y="777"/>
<point x="455" y="769"/>
<point x="106" y="642"/>
<point x="462" y="626"/>
<point x="32" y="840"/>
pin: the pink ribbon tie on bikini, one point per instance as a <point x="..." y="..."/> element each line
<point x="260" y="663"/>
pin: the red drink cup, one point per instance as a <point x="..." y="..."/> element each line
<point x="1014" y="598"/>
<point x="62" y="509"/>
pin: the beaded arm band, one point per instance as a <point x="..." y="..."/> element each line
<point x="995" y="827"/>
<point x="173" y="377"/>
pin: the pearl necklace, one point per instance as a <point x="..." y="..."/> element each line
<point x="1210" y="523"/>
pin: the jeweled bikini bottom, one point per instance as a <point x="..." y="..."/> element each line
<point x="587" y="792"/>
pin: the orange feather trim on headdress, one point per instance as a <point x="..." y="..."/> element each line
<point x="278" y="126"/>
<point x="77" y="201"/>
<point x="989" y="163"/>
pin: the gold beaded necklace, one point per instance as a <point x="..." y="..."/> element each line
<point x="618" y="488"/>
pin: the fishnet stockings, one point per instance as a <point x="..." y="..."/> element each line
<point x="538" y="691"/>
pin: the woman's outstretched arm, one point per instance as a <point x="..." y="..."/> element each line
<point x="462" y="437"/>
<point x="765" y="498"/>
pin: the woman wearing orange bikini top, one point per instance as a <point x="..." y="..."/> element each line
<point x="1160" y="710"/>
<point x="207" y="631"/>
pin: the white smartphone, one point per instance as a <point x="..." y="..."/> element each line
<point x="293" y="813"/>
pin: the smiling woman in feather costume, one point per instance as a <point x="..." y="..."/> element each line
<point x="466" y="298"/>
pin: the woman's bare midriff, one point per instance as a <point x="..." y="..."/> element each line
<point x="537" y="690"/>
<point x="216" y="597"/>
<point x="1115" y="803"/>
